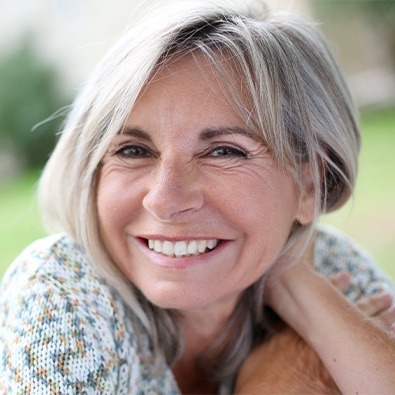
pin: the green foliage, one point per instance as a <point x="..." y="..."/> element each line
<point x="369" y="217"/>
<point x="28" y="96"/>
<point x="377" y="7"/>
<point x="380" y="14"/>
<point x="20" y="222"/>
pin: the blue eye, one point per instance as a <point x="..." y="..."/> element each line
<point x="227" y="152"/>
<point x="133" y="151"/>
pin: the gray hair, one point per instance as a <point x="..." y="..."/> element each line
<point x="300" y="106"/>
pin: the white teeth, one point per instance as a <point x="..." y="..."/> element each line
<point x="168" y="248"/>
<point x="157" y="246"/>
<point x="202" y="245"/>
<point x="182" y="248"/>
<point x="211" y="244"/>
<point x="192" y="247"/>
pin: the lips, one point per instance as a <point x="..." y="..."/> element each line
<point x="182" y="248"/>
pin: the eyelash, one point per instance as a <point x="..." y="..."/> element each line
<point x="121" y="151"/>
<point x="143" y="152"/>
<point x="228" y="151"/>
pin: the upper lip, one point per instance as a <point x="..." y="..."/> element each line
<point x="177" y="238"/>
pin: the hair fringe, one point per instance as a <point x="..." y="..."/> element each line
<point x="298" y="102"/>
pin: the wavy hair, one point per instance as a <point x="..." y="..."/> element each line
<point x="299" y="104"/>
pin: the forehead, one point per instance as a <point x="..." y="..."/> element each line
<point x="192" y="71"/>
<point x="190" y="86"/>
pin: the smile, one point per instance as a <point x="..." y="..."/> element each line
<point x="182" y="248"/>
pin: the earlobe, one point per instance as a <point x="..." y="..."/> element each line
<point x="307" y="197"/>
<point x="306" y="211"/>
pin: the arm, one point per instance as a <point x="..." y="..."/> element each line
<point x="357" y="352"/>
<point x="286" y="363"/>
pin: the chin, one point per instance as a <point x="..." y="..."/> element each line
<point x="179" y="299"/>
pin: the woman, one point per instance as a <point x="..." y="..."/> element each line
<point x="187" y="185"/>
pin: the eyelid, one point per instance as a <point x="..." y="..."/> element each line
<point x="120" y="147"/>
<point x="122" y="140"/>
<point x="226" y="145"/>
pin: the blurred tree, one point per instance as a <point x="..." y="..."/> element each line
<point x="383" y="14"/>
<point x="28" y="96"/>
<point x="380" y="12"/>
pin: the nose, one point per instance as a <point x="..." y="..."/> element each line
<point x="175" y="193"/>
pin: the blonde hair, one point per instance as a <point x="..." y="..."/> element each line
<point x="300" y="106"/>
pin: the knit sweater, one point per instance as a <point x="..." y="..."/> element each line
<point x="64" y="330"/>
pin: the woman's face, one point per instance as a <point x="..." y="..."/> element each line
<point x="192" y="207"/>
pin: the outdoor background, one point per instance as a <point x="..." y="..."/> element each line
<point x="48" y="47"/>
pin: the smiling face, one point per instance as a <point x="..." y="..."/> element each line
<point x="192" y="207"/>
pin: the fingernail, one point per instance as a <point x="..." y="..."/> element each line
<point x="386" y="296"/>
<point x="391" y="310"/>
<point x="340" y="274"/>
<point x="342" y="277"/>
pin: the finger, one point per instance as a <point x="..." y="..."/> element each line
<point x="387" y="317"/>
<point x="341" y="280"/>
<point x="375" y="304"/>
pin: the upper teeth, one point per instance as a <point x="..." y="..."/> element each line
<point x="182" y="248"/>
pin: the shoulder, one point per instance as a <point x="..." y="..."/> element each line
<point x="55" y="268"/>
<point x="62" y="328"/>
<point x="56" y="256"/>
<point x="52" y="309"/>
<point x="335" y="251"/>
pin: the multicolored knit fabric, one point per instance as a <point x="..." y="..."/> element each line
<point x="63" y="330"/>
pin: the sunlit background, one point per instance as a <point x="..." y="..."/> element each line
<point x="48" y="47"/>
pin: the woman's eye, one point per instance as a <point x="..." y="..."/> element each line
<point x="133" y="151"/>
<point x="227" y="152"/>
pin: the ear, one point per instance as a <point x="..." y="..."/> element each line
<point x="307" y="200"/>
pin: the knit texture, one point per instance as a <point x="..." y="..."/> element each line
<point x="63" y="330"/>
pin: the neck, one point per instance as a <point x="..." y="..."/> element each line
<point x="208" y="321"/>
<point x="200" y="328"/>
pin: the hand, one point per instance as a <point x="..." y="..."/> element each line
<point x="286" y="364"/>
<point x="379" y="306"/>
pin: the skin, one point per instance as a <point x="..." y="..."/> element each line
<point x="183" y="186"/>
<point x="188" y="167"/>
<point x="334" y="345"/>
<point x="287" y="364"/>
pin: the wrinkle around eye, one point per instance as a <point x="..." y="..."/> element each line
<point x="260" y="154"/>
<point x="252" y="168"/>
<point x="119" y="163"/>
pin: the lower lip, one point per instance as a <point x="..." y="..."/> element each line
<point x="181" y="262"/>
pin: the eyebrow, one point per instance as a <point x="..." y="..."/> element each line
<point x="135" y="132"/>
<point x="210" y="133"/>
<point x="206" y="134"/>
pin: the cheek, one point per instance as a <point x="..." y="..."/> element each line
<point x="109" y="206"/>
<point x="263" y="204"/>
<point x="115" y="205"/>
<point x="264" y="209"/>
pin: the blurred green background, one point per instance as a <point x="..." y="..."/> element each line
<point x="43" y="65"/>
